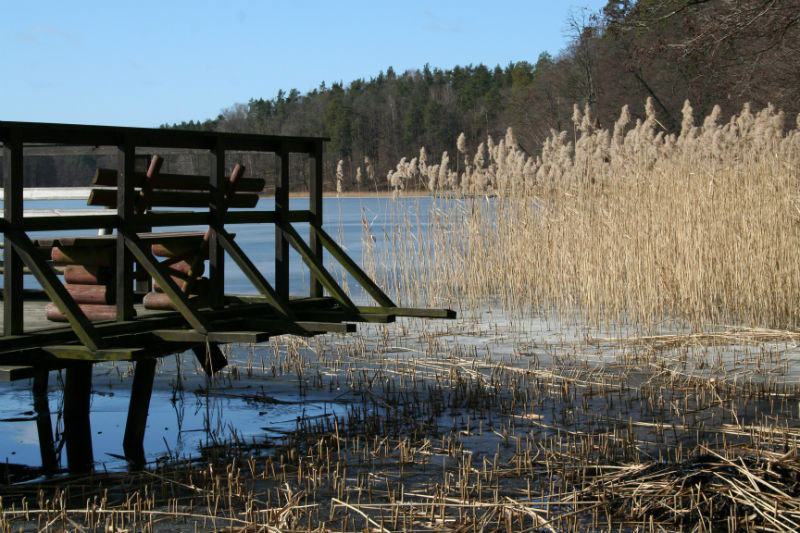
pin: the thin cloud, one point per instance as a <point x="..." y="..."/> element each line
<point x="40" y="34"/>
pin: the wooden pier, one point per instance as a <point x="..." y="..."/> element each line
<point x="136" y="254"/>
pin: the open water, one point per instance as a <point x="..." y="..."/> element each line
<point x="190" y="412"/>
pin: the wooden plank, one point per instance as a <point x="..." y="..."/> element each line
<point x="12" y="216"/>
<point x="304" y="326"/>
<point x="52" y="193"/>
<point x="95" y="241"/>
<point x="418" y="312"/>
<point x="82" y="353"/>
<point x="352" y="268"/>
<point x="316" y="266"/>
<point x="15" y="372"/>
<point x="333" y="316"/>
<point x="107" y="177"/>
<point x="163" y="198"/>
<point x="90" y="220"/>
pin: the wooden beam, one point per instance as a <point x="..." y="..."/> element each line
<point x="315" y="207"/>
<point x="125" y="198"/>
<point x="316" y="266"/>
<point x="169" y="287"/>
<point x="77" y="429"/>
<point x="256" y="278"/>
<point x="141" y="391"/>
<point x="418" y="312"/>
<point x="352" y="267"/>
<point x="44" y="426"/>
<point x="55" y="290"/>
<point x="281" y="215"/>
<point x="217" y="209"/>
<point x="82" y="353"/>
<point x="13" y="216"/>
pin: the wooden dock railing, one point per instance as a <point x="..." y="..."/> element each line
<point x="195" y="323"/>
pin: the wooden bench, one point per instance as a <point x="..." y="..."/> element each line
<point x="88" y="261"/>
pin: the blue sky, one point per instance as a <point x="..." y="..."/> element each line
<point x="148" y="62"/>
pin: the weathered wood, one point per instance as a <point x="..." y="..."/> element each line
<point x="107" y="177"/>
<point x="44" y="426"/>
<point x="141" y="391"/>
<point x="12" y="215"/>
<point x="256" y="278"/>
<point x="87" y="275"/>
<point x="78" y="352"/>
<point x="417" y="312"/>
<point x="315" y="208"/>
<point x="102" y="256"/>
<point x="125" y="197"/>
<point x="281" y="215"/>
<point x="94" y="312"/>
<point x="160" y="275"/>
<point x="217" y="209"/>
<point x="352" y="267"/>
<point x="300" y="326"/>
<point x="162" y="198"/>
<point x="16" y="372"/>
<point x="77" y="429"/>
<point x="91" y="294"/>
<point x="210" y="357"/>
<point x="50" y="283"/>
<point x="316" y="266"/>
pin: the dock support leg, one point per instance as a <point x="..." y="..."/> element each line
<point x="210" y="357"/>
<point x="142" y="389"/>
<point x="44" y="425"/>
<point x="77" y="431"/>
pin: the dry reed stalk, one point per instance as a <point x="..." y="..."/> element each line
<point x="630" y="225"/>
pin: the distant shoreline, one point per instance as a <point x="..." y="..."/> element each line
<point x="350" y="194"/>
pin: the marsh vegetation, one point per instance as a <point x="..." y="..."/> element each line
<point x="626" y="357"/>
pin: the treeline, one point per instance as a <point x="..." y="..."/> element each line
<point x="707" y="51"/>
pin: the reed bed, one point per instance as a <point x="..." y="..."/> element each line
<point x="622" y="224"/>
<point x="440" y="432"/>
<point x="626" y="358"/>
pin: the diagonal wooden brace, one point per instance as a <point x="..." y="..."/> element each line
<point x="54" y="288"/>
<point x="170" y="288"/>
<point x="316" y="266"/>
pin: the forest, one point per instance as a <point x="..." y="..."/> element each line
<point x="706" y="51"/>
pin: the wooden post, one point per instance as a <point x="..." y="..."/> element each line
<point x="44" y="425"/>
<point x="141" y="391"/>
<point x="125" y="204"/>
<point x="315" y="206"/>
<point x="77" y="430"/>
<point x="217" y="209"/>
<point x="282" y="217"/>
<point x="12" y="213"/>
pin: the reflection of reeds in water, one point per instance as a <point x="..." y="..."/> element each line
<point x="622" y="224"/>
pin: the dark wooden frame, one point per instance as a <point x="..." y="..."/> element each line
<point x="222" y="319"/>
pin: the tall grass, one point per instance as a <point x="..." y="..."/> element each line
<point x="620" y="224"/>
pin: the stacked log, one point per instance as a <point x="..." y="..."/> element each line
<point x="186" y="268"/>
<point x="89" y="279"/>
